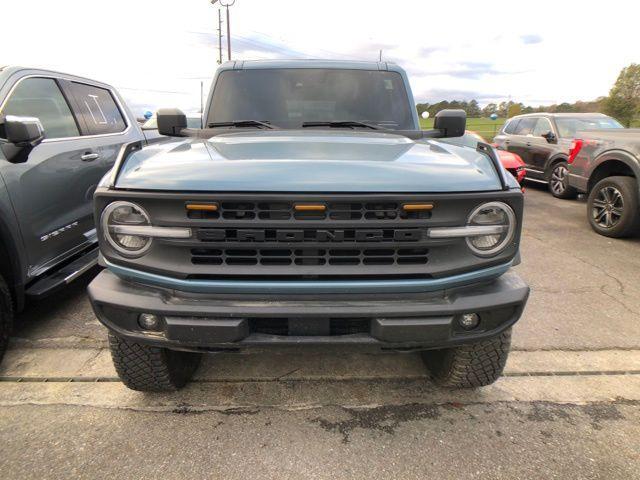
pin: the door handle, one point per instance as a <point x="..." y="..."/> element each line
<point x="88" y="157"/>
<point x="507" y="142"/>
<point x="528" y="144"/>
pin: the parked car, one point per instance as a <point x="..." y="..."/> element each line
<point x="605" y="164"/>
<point x="542" y="140"/>
<point x="311" y="210"/>
<point x="59" y="135"/>
<point x="510" y="161"/>
<point x="150" y="127"/>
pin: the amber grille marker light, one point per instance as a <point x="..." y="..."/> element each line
<point x="412" y="207"/>
<point x="309" y="208"/>
<point x="209" y="207"/>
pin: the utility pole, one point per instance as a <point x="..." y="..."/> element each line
<point x="226" y="4"/>
<point x="219" y="36"/>
<point x="201" y="97"/>
<point x="229" y="32"/>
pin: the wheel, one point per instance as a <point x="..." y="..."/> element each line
<point x="612" y="207"/>
<point x="469" y="366"/>
<point x="6" y="316"/>
<point x="151" y="369"/>
<point x="559" y="182"/>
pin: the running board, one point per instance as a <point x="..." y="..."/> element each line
<point x="64" y="276"/>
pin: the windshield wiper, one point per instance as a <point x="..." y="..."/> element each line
<point x="343" y="124"/>
<point x="241" y="123"/>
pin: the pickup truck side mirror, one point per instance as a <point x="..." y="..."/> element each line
<point x="171" y="122"/>
<point x="452" y="123"/>
<point x="550" y="137"/>
<point x="23" y="131"/>
<point x="23" y="135"/>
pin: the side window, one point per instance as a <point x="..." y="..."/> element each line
<point x="525" y="127"/>
<point x="511" y="126"/>
<point x="98" y="109"/>
<point x="543" y="126"/>
<point x="42" y="98"/>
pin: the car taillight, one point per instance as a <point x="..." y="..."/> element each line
<point x="576" y="146"/>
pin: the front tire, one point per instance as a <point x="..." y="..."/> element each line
<point x="470" y="366"/>
<point x="6" y="316"/>
<point x="559" y="182"/>
<point x="612" y="207"/>
<point x="151" y="369"/>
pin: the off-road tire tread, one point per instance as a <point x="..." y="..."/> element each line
<point x="6" y="316"/>
<point x="470" y="366"/>
<point x="151" y="369"/>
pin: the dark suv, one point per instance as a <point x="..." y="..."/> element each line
<point x="543" y="141"/>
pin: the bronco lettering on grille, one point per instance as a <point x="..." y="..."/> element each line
<point x="305" y="235"/>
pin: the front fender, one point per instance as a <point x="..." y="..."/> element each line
<point x="615" y="155"/>
<point x="13" y="260"/>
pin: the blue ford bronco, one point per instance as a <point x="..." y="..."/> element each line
<point x="310" y="210"/>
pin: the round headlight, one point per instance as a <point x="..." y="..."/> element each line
<point x="119" y="214"/>
<point x="492" y="214"/>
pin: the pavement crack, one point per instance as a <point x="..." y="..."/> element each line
<point x="615" y="279"/>
<point x="287" y="374"/>
<point x="618" y="301"/>
<point x="92" y="359"/>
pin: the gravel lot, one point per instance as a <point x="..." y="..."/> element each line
<point x="568" y="407"/>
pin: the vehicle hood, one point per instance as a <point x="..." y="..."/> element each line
<point x="307" y="161"/>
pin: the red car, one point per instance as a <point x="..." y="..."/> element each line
<point x="510" y="161"/>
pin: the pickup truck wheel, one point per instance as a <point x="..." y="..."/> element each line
<point x="469" y="366"/>
<point x="559" y="182"/>
<point x="612" y="207"/>
<point x="151" y="369"/>
<point x="6" y="316"/>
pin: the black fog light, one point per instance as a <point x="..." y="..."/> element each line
<point x="149" y="321"/>
<point x="469" y="321"/>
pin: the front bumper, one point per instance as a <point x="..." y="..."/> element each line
<point x="201" y="322"/>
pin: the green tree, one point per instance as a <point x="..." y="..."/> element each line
<point x="514" y="109"/>
<point x="473" y="109"/>
<point x="624" y="98"/>
<point x="489" y="109"/>
<point x="422" y="107"/>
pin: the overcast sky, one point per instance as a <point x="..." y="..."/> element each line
<point x="156" y="51"/>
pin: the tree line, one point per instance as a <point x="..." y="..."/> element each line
<point x="622" y="103"/>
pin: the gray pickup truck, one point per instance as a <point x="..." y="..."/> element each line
<point x="605" y="164"/>
<point x="310" y="210"/>
<point x="59" y="135"/>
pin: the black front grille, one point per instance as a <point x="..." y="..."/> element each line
<point x="310" y="236"/>
<point x="318" y="257"/>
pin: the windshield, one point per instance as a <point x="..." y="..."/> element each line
<point x="567" y="127"/>
<point x="287" y="98"/>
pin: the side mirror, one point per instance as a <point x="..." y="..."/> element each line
<point x="171" y="122"/>
<point x="23" y="131"/>
<point x="550" y="137"/>
<point x="452" y="123"/>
